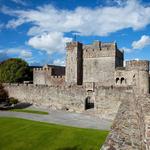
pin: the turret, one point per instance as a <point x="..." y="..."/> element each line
<point x="140" y="69"/>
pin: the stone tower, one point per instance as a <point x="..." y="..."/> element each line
<point x="74" y="63"/>
<point x="99" y="62"/>
<point x="140" y="74"/>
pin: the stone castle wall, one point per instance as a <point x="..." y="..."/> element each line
<point x="73" y="98"/>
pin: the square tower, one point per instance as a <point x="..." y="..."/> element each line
<point x="99" y="62"/>
<point x="74" y="63"/>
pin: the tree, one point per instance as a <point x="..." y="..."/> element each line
<point x="3" y="94"/>
<point x="14" y="70"/>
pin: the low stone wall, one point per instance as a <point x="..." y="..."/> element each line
<point x="72" y="98"/>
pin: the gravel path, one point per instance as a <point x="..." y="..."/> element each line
<point x="64" y="118"/>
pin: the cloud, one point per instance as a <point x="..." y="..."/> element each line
<point x="14" y="23"/>
<point x="49" y="24"/>
<point x="3" y="56"/>
<point x="117" y="2"/>
<point x="49" y="42"/>
<point x="19" y="52"/>
<point x="137" y="45"/>
<point x="125" y="49"/>
<point x="143" y="42"/>
<point x="22" y="2"/>
<point x="99" y="21"/>
<point x="25" y="54"/>
<point x="59" y="62"/>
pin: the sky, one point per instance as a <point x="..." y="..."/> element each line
<point x="37" y="30"/>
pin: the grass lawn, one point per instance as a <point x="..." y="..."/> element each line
<point x="30" y="111"/>
<point x="21" y="134"/>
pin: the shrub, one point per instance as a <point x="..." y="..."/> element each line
<point x="13" y="100"/>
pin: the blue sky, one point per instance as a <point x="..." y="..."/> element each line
<point x="37" y="30"/>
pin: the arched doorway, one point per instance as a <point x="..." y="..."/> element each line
<point x="89" y="103"/>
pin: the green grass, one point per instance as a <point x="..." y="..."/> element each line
<point x="21" y="134"/>
<point x="30" y="111"/>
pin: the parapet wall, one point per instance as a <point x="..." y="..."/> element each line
<point x="55" y="80"/>
<point x="142" y="65"/>
<point x="90" y="52"/>
<point x="131" y="127"/>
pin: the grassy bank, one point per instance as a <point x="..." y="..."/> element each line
<point x="21" y="134"/>
<point x="30" y="111"/>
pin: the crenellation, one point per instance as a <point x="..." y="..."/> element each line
<point x="137" y="64"/>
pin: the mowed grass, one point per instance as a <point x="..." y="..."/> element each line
<point x="21" y="134"/>
<point x="30" y="111"/>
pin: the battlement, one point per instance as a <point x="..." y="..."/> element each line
<point x="99" y="49"/>
<point x="57" y="77"/>
<point x="72" y="45"/>
<point x="89" y="52"/>
<point x="137" y="64"/>
<point x="41" y="69"/>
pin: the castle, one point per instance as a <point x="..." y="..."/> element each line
<point x="96" y="81"/>
<point x="95" y="64"/>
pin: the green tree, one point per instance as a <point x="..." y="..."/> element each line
<point x="3" y="94"/>
<point x="14" y="70"/>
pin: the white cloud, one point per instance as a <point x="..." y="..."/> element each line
<point x="137" y="45"/>
<point x="14" y="23"/>
<point x="22" y="2"/>
<point x="49" y="42"/>
<point x="19" y="52"/>
<point x="48" y="24"/>
<point x="128" y="50"/>
<point x="25" y="54"/>
<point x="97" y="21"/>
<point x="143" y="42"/>
<point x="59" y="62"/>
<point x="118" y="2"/>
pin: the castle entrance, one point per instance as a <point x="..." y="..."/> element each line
<point x="89" y="103"/>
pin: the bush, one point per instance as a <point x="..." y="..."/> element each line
<point x="13" y="100"/>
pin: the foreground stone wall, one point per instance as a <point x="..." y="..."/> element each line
<point x="131" y="127"/>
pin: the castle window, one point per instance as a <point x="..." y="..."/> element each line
<point x="134" y="80"/>
<point x="117" y="80"/>
<point x="122" y="80"/>
<point x="89" y="103"/>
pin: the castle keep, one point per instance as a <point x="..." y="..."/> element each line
<point x="97" y="81"/>
<point x="96" y="64"/>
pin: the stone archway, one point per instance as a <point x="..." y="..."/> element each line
<point x="89" y="103"/>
